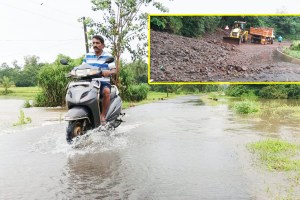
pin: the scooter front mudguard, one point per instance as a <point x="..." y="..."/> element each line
<point x="77" y="113"/>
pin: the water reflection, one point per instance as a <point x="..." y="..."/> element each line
<point x="197" y="102"/>
<point x="92" y="175"/>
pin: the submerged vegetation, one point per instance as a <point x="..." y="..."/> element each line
<point x="280" y="111"/>
<point x="268" y="110"/>
<point x="246" y="107"/>
<point x="22" y="119"/>
<point x="277" y="154"/>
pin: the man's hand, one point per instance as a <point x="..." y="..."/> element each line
<point x="106" y="73"/>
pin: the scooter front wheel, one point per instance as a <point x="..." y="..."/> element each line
<point x="74" y="129"/>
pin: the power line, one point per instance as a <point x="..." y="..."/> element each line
<point x="37" y="14"/>
<point x="53" y="8"/>
<point x="57" y="45"/>
<point x="8" y="40"/>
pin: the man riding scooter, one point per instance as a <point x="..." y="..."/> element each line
<point x="97" y="58"/>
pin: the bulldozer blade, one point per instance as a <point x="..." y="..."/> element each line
<point x="231" y="40"/>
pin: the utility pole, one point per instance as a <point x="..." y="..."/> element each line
<point x="85" y="35"/>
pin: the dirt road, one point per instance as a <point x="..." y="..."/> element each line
<point x="179" y="59"/>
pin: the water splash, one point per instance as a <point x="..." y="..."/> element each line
<point x="93" y="141"/>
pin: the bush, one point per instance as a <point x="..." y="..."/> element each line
<point x="237" y="90"/>
<point x="246" y="107"/>
<point x="40" y="100"/>
<point x="52" y="79"/>
<point x="274" y="92"/>
<point x="53" y="82"/>
<point x="136" y="92"/>
<point x="27" y="104"/>
<point x="295" y="46"/>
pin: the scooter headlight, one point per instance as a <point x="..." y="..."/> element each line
<point x="86" y="72"/>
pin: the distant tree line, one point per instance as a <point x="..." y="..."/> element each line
<point x="50" y="77"/>
<point x="25" y="76"/>
<point x="272" y="91"/>
<point x="197" y="26"/>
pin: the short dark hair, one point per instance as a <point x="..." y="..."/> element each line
<point x="98" y="37"/>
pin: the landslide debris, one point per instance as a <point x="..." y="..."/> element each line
<point x="176" y="58"/>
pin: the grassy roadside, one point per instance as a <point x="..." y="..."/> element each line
<point x="294" y="49"/>
<point x="26" y="93"/>
<point x="151" y="97"/>
<point x="29" y="93"/>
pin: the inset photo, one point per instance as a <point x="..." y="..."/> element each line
<point x="216" y="49"/>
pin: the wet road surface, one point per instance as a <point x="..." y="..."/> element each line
<point x="173" y="149"/>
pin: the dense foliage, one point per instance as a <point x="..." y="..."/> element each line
<point x="53" y="82"/>
<point x="286" y="91"/>
<point x="196" y="26"/>
<point x="22" y="76"/>
<point x="186" y="26"/>
<point x="133" y="79"/>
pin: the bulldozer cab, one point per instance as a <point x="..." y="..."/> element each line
<point x="239" y="24"/>
<point x="238" y="33"/>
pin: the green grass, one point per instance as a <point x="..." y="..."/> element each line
<point x="293" y="53"/>
<point x="151" y="97"/>
<point x="277" y="154"/>
<point x="294" y="49"/>
<point x="27" y="93"/>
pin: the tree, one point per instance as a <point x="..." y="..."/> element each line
<point x="6" y="83"/>
<point x="122" y="23"/>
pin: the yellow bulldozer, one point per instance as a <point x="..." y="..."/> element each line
<point x="238" y="33"/>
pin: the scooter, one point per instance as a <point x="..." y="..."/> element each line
<point x="84" y="103"/>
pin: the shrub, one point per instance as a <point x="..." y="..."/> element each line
<point x="27" y="104"/>
<point x="237" y="90"/>
<point x="53" y="82"/>
<point x="136" y="92"/>
<point x="246" y="107"/>
<point x="40" y="100"/>
<point x="274" y="92"/>
<point x="295" y="46"/>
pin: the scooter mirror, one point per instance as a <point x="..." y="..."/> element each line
<point x="109" y="60"/>
<point x="63" y="61"/>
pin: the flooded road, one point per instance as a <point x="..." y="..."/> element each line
<point x="172" y="149"/>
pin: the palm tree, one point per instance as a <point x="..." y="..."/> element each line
<point x="6" y="83"/>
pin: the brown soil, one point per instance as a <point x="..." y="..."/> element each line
<point x="176" y="58"/>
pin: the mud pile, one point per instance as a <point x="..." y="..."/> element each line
<point x="176" y="58"/>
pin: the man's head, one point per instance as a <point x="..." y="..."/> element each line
<point x="98" y="44"/>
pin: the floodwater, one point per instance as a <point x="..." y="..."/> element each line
<point x="171" y="149"/>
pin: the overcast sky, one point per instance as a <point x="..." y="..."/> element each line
<point x="48" y="27"/>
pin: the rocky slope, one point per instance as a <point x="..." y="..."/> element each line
<point x="176" y="58"/>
